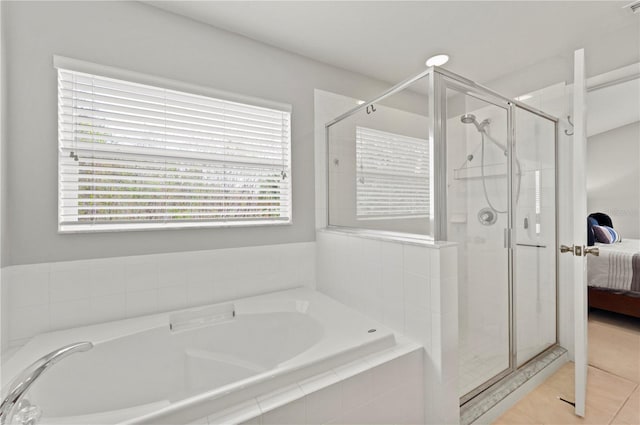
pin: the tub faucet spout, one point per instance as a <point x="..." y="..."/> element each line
<point x="14" y="404"/>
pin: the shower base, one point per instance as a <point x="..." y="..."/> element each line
<point x="495" y="400"/>
<point x="479" y="359"/>
<point x="474" y="369"/>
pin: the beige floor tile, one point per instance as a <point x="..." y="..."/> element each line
<point x="514" y="417"/>
<point x="615" y="350"/>
<point x="563" y="381"/>
<point x="630" y="412"/>
<point x="544" y="407"/>
<point x="605" y="391"/>
<point x="613" y="393"/>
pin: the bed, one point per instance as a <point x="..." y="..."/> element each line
<point x="614" y="277"/>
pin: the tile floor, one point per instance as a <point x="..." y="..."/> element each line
<point x="613" y="389"/>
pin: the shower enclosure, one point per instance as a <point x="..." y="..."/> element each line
<point x="439" y="157"/>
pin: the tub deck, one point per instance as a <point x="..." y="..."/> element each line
<point x="141" y="370"/>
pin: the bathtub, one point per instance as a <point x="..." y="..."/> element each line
<point x="175" y="367"/>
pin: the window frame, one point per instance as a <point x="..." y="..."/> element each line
<point x="74" y="65"/>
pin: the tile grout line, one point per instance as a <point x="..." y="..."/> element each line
<point x="623" y="403"/>
<point x="613" y="374"/>
<point x="633" y="381"/>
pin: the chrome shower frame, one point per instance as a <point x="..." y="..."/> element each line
<point x="438" y="81"/>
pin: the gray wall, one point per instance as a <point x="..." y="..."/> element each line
<point x="141" y="38"/>
<point x="613" y="177"/>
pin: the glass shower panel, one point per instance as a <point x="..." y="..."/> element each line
<point x="378" y="159"/>
<point x="535" y="234"/>
<point x="477" y="217"/>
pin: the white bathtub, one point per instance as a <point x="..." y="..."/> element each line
<point x="141" y="371"/>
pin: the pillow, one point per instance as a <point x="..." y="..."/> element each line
<point x="605" y="234"/>
<point x="614" y="235"/>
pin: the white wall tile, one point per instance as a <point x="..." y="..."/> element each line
<point x="66" y="314"/>
<point x="199" y="293"/>
<point x="28" y="321"/>
<point x="393" y="316"/>
<point x="116" y="288"/>
<point x="357" y="390"/>
<point x="417" y="291"/>
<point x="324" y="405"/>
<point x="172" y="271"/>
<point x="172" y="298"/>
<point x="449" y="262"/>
<point x="418" y="326"/>
<point x="107" y="278"/>
<point x="391" y="254"/>
<point x="27" y="288"/>
<point x="390" y="375"/>
<point x="371" y="249"/>
<point x="70" y="284"/>
<point x="289" y="414"/>
<point x="278" y="408"/>
<point x="416" y="260"/>
<point x="141" y="303"/>
<point x="140" y="274"/>
<point x="108" y="307"/>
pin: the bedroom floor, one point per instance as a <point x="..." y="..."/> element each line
<point x="613" y="392"/>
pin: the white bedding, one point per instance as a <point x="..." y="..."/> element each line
<point x="617" y="267"/>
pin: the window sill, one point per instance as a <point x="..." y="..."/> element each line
<point x="391" y="217"/>
<point x="141" y="227"/>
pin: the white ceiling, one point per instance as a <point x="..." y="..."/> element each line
<point x="390" y="40"/>
<point x="613" y="107"/>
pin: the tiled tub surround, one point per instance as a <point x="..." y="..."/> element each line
<point x="305" y="359"/>
<point x="410" y="287"/>
<point x="38" y="298"/>
<point x="383" y="388"/>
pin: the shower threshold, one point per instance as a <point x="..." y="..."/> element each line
<point x="481" y="404"/>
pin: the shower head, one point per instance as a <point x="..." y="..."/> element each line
<point x="471" y="119"/>
<point x="468" y="118"/>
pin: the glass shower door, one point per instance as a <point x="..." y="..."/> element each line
<point x="534" y="234"/>
<point x="478" y="217"/>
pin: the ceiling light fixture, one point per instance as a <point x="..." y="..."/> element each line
<point x="437" y="60"/>
<point x="524" y="97"/>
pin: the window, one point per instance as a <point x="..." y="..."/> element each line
<point x="392" y="175"/>
<point x="135" y="156"/>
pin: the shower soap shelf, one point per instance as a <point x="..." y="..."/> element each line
<point x="475" y="172"/>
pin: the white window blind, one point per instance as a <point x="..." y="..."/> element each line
<point x="392" y="175"/>
<point x="135" y="156"/>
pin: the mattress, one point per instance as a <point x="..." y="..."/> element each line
<point x="617" y="268"/>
